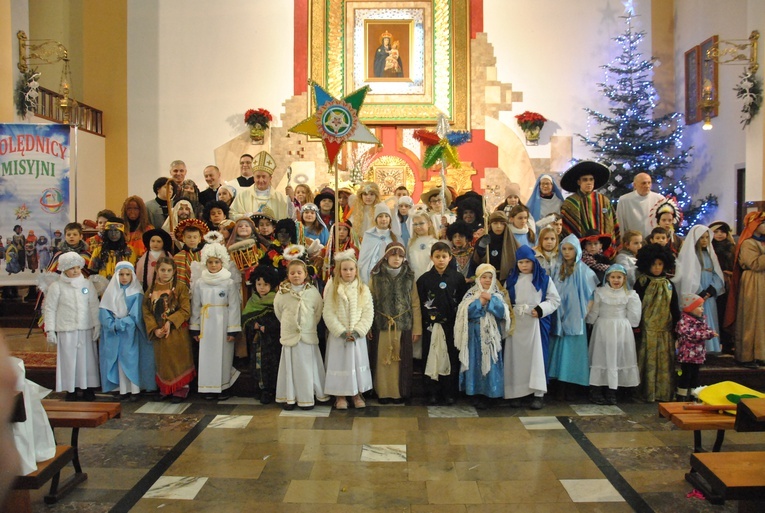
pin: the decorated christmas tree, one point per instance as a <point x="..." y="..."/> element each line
<point x="632" y="141"/>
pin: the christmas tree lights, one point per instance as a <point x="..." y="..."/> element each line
<point x="632" y="141"/>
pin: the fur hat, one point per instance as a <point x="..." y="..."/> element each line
<point x="690" y="302"/>
<point x="214" y="248"/>
<point x="652" y="252"/>
<point x="460" y="227"/>
<point x="472" y="204"/>
<point x="267" y="273"/>
<point x="69" y="260"/>
<point x="263" y="161"/>
<point x="348" y="254"/>
<point x="584" y="168"/>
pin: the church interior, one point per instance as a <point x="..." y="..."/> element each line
<point x="157" y="82"/>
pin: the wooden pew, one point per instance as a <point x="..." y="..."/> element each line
<point x="19" y="500"/>
<point x="731" y="476"/>
<point x="698" y="421"/>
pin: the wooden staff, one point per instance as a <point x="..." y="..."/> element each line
<point x="486" y="226"/>
<point x="169" y="194"/>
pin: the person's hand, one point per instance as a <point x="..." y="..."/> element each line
<point x="715" y="334"/>
<point x="166" y="328"/>
<point x="159" y="332"/>
<point x="262" y="329"/>
<point x="479" y="233"/>
<point x="534" y="314"/>
<point x="415" y="338"/>
<point x="229" y="338"/>
<point x="289" y="191"/>
<point x="196" y="338"/>
<point x="51" y="337"/>
<point x="257" y="325"/>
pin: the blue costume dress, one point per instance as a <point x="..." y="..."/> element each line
<point x="482" y="374"/>
<point x="709" y="278"/>
<point x="569" y="358"/>
<point x="123" y="337"/>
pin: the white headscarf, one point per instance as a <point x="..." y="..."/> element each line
<point x="688" y="266"/>
<point x="114" y="298"/>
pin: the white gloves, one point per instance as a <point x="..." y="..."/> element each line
<point x="96" y="333"/>
<point x="51" y="337"/>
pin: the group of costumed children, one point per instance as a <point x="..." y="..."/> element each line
<point x="499" y="325"/>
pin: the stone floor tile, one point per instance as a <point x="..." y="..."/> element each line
<point x="591" y="490"/>
<point x="624" y="439"/>
<point x="323" y="492"/>
<point x="386" y="453"/>
<point x="176" y="487"/>
<point x="331" y="453"/>
<point x="534" y="491"/>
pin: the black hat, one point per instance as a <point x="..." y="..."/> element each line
<point x="592" y="234"/>
<point x="470" y="203"/>
<point x="167" y="242"/>
<point x="720" y="225"/>
<point x="269" y="274"/>
<point x="322" y="196"/>
<point x="652" y="252"/>
<point x="585" y="167"/>
<point x="460" y="227"/>
<point x="288" y="225"/>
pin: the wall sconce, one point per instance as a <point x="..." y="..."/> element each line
<point x="733" y="51"/>
<point x="707" y="104"/>
<point x="35" y="52"/>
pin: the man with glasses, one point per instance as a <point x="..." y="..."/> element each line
<point x="439" y="212"/>
<point x="246" y="176"/>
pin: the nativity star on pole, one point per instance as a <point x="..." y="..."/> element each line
<point x="336" y="121"/>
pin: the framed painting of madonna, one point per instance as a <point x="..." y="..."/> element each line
<point x="405" y="51"/>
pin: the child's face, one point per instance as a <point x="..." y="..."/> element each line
<point x="184" y="212"/>
<point x="720" y="235"/>
<point x="635" y="244"/>
<point x="73" y="272"/>
<point x="704" y="241"/>
<point x="420" y="226"/>
<point x="593" y="247"/>
<point x="326" y="205"/>
<point x="498" y="227"/>
<point x="113" y="234"/>
<point x="395" y="259"/>
<point x="568" y="251"/>
<point x="558" y="225"/>
<point x="512" y="200"/>
<point x="526" y="266"/>
<point x="348" y="270"/>
<point x="342" y="198"/>
<point x="698" y="311"/>
<point x="214" y="264"/>
<point x="225" y="195"/>
<point x="657" y="267"/>
<point x="383" y="221"/>
<point x="125" y="276"/>
<point x="468" y="216"/>
<point x="73" y="237"/>
<point x="441" y="260"/>
<point x="666" y="221"/>
<point x="100" y="222"/>
<point x="659" y="238"/>
<point x="520" y="220"/>
<point x="265" y="227"/>
<point x="296" y="274"/>
<point x="192" y="238"/>
<point x="243" y="230"/>
<point x="309" y="216"/>
<point x="368" y="198"/>
<point x="485" y="280"/>
<point x="404" y="208"/>
<point x="156" y="243"/>
<point x="217" y="216"/>
<point x="548" y="241"/>
<point x="300" y="194"/>
<point x="342" y="233"/>
<point x="760" y="229"/>
<point x="165" y="273"/>
<point x="616" y="280"/>
<point x="459" y="241"/>
<point x="401" y="192"/>
<point x="262" y="287"/>
<point x="436" y="203"/>
<point x="133" y="211"/>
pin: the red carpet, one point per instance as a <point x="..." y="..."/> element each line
<point x="36" y="359"/>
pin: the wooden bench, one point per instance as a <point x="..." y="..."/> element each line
<point x="76" y="415"/>
<point x="698" y="421"/>
<point x="731" y="476"/>
<point x="19" y="500"/>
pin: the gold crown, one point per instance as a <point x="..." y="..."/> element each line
<point x="386" y="34"/>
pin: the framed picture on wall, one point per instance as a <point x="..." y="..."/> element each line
<point x="405" y="51"/>
<point x="692" y="85"/>
<point x="709" y="69"/>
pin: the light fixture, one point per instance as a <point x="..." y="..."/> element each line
<point x="708" y="104"/>
<point x="35" y="52"/>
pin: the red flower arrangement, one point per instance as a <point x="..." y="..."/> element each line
<point x="529" y="120"/>
<point x="260" y="117"/>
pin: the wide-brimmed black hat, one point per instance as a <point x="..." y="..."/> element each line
<point x="592" y="234"/>
<point x="167" y="241"/>
<point x="585" y="167"/>
<point x="322" y="196"/>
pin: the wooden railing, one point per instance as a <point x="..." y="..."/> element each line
<point x="84" y="116"/>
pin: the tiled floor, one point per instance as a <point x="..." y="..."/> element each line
<point x="238" y="456"/>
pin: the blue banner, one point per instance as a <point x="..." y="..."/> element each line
<point x="34" y="198"/>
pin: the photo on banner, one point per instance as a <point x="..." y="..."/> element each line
<point x="35" y="198"/>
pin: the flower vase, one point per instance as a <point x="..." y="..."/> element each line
<point x="257" y="134"/>
<point x="532" y="135"/>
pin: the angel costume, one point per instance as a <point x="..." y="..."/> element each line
<point x="126" y="356"/>
<point x="569" y="360"/>
<point x="524" y="350"/>
<point x="479" y="332"/>
<point x="347" y="309"/>
<point x="215" y="315"/>
<point x="418" y="254"/>
<point x="697" y="271"/>
<point x="614" y="313"/>
<point x="372" y="248"/>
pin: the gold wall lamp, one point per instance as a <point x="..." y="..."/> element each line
<point x="733" y="51"/>
<point x="36" y="52"/>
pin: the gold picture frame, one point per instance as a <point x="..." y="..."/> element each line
<point x="434" y="37"/>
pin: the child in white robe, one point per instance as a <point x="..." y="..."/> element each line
<point x="533" y="297"/>
<point x="375" y="241"/>
<point x="298" y="306"/>
<point x="71" y="321"/>
<point x="348" y="314"/>
<point x="215" y="318"/>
